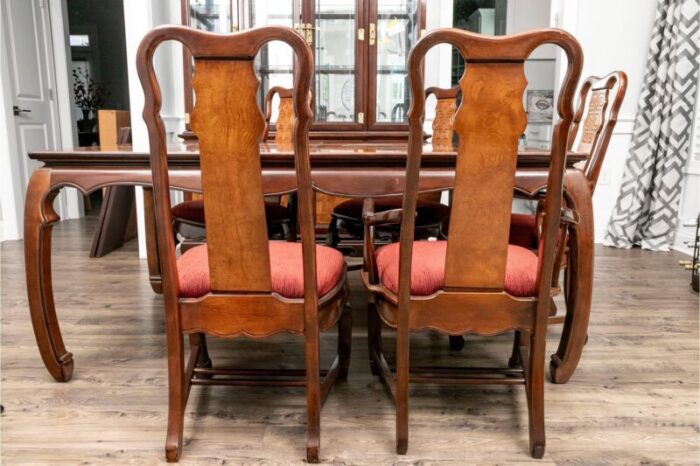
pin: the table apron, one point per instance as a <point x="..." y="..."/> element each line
<point x="345" y="182"/>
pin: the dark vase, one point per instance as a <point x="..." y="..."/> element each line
<point x="86" y="124"/>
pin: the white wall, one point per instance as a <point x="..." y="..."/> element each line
<point x="614" y="35"/>
<point x="74" y="207"/>
<point x="690" y="198"/>
<point x="438" y="62"/>
<point x="140" y="17"/>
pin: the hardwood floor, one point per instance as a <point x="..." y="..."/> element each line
<point x="633" y="400"/>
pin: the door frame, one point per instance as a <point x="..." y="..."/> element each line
<point x="371" y="111"/>
<point x="72" y="201"/>
<point x="69" y="203"/>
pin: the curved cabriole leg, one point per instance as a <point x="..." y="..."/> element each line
<point x="514" y="360"/>
<point x="39" y="218"/>
<point x="333" y="237"/>
<point x="456" y="342"/>
<point x="344" y="342"/>
<point x="580" y="281"/>
<point x="313" y="395"/>
<point x="198" y="342"/>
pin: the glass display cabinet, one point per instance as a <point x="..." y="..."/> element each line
<point x="360" y="48"/>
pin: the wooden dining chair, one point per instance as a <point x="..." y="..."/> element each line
<point x="284" y="125"/>
<point x="600" y="100"/>
<point x="240" y="283"/>
<point x="474" y="282"/>
<point x="347" y="215"/>
<point x="445" y="109"/>
<point x="188" y="216"/>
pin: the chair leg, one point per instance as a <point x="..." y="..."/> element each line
<point x="313" y="396"/>
<point x="176" y="395"/>
<point x="344" y="342"/>
<point x="291" y="231"/>
<point x="374" y="335"/>
<point x="203" y="359"/>
<point x="514" y="360"/>
<point x="333" y="238"/>
<point x="535" y="393"/>
<point x="456" y="342"/>
<point x="401" y="399"/>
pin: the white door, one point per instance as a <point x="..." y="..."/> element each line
<point x="26" y="27"/>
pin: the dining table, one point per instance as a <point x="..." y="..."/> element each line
<point x="349" y="169"/>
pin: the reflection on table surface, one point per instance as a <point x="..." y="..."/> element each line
<point x="315" y="147"/>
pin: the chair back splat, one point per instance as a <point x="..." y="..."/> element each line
<point x="229" y="127"/>
<point x="600" y="99"/>
<point x="284" y="126"/>
<point x="445" y="109"/>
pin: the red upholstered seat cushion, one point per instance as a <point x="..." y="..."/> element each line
<point x="523" y="230"/>
<point x="428" y="268"/>
<point x="286" y="268"/>
<point x="194" y="211"/>
<point x="190" y="210"/>
<point x="429" y="212"/>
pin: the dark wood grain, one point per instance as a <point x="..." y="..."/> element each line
<point x="484" y="180"/>
<point x="229" y="126"/>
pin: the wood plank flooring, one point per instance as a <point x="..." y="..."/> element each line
<point x="634" y="399"/>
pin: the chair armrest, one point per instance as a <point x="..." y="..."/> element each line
<point x="368" y="243"/>
<point x="569" y="216"/>
<point x="567" y="219"/>
<point x="387" y="217"/>
<point x="372" y="219"/>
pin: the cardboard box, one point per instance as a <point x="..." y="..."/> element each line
<point x="109" y="122"/>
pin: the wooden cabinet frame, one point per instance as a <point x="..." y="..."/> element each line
<point x="365" y="71"/>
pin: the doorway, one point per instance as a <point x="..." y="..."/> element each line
<point x="99" y="72"/>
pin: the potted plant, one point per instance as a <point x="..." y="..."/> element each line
<point x="89" y="96"/>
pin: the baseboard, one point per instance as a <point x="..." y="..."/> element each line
<point x="679" y="243"/>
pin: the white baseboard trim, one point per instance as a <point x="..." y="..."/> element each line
<point x="681" y="238"/>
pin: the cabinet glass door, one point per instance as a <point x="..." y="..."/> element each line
<point x="214" y="15"/>
<point x="394" y="28"/>
<point x="335" y="58"/>
<point x="275" y="61"/>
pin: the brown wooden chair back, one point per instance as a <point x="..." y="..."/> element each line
<point x="445" y="109"/>
<point x="230" y="126"/>
<point x="284" y="125"/>
<point x="600" y="99"/>
<point x="492" y="87"/>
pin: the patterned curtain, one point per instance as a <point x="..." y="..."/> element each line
<point x="646" y="211"/>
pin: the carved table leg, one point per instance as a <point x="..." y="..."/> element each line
<point x="580" y="271"/>
<point x="152" y="255"/>
<point x="39" y="217"/>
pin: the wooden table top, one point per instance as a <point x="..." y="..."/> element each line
<point x="323" y="154"/>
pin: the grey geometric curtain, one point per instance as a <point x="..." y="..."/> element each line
<point x="646" y="211"/>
